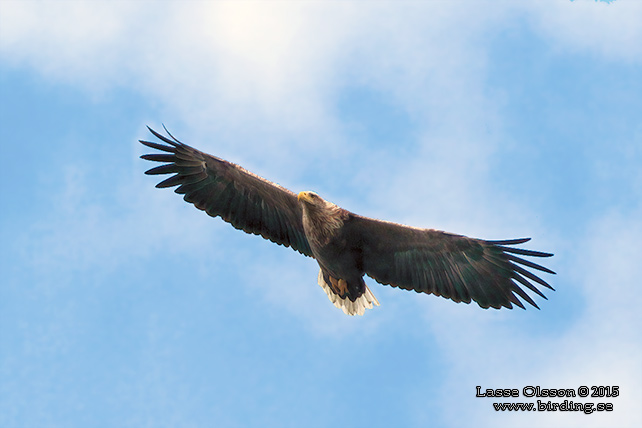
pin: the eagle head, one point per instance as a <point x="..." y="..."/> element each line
<point x="310" y="198"/>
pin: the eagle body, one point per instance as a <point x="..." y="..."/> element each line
<point x="329" y="230"/>
<point x="348" y="246"/>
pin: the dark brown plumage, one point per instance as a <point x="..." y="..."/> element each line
<point x="347" y="245"/>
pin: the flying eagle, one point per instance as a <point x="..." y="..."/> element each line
<point x="347" y="245"/>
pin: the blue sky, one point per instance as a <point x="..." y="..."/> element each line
<point x="121" y="305"/>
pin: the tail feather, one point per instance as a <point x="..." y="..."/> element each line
<point x="358" y="307"/>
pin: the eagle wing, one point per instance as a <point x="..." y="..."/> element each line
<point x="221" y="188"/>
<point x="453" y="266"/>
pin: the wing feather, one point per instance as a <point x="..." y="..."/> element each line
<point x="529" y="285"/>
<point x="221" y="188"/>
<point x="523" y="252"/>
<point x="452" y="266"/>
<point x="529" y="263"/>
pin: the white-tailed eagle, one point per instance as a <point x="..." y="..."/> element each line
<point x="348" y="246"/>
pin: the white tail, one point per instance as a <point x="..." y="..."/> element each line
<point x="358" y="307"/>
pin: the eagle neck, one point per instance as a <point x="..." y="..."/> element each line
<point x="322" y="222"/>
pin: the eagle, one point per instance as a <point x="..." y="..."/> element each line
<point x="348" y="246"/>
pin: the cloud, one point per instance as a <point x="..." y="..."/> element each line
<point x="282" y="60"/>
<point x="608" y="30"/>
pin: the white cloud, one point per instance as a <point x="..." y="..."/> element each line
<point x="283" y="60"/>
<point x="608" y="30"/>
<point x="84" y="233"/>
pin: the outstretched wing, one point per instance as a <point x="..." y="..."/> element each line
<point x="221" y="188"/>
<point x="453" y="266"/>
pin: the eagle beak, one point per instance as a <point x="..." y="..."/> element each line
<point x="302" y="196"/>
